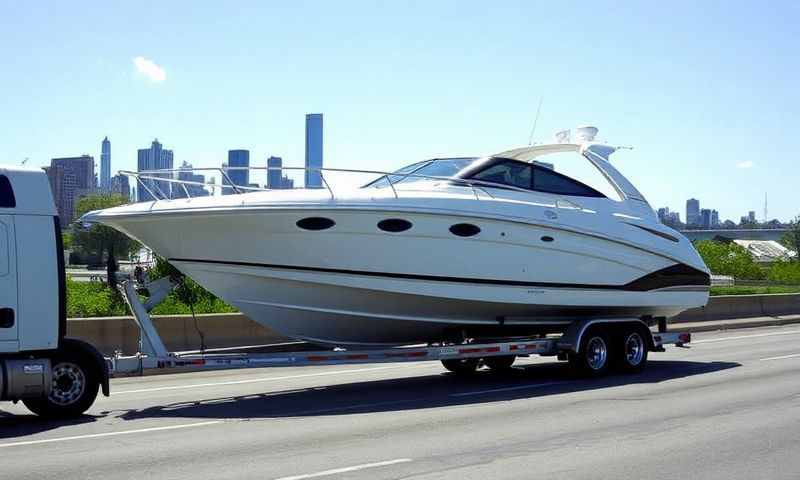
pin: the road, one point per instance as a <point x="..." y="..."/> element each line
<point x="729" y="407"/>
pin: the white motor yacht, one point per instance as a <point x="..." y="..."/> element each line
<point x="445" y="249"/>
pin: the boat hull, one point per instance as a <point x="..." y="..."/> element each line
<point x="353" y="284"/>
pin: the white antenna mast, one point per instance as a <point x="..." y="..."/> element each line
<point x="535" y="121"/>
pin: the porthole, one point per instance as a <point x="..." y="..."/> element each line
<point x="465" y="229"/>
<point x="547" y="238"/>
<point x="315" y="223"/>
<point x="394" y="225"/>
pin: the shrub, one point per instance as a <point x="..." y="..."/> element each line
<point x="786" y="273"/>
<point x="729" y="259"/>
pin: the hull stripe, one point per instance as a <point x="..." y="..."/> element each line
<point x="674" y="276"/>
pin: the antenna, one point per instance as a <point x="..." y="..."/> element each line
<point x="535" y="121"/>
<point x="24" y="162"/>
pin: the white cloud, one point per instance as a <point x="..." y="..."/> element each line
<point x="149" y="68"/>
<point x="745" y="164"/>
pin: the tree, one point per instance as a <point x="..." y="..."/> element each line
<point x="791" y="239"/>
<point x="729" y="259"/>
<point x="100" y="241"/>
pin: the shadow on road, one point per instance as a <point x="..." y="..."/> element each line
<point x="12" y="426"/>
<point x="406" y="394"/>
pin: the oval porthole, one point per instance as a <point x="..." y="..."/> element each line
<point x="547" y="238"/>
<point x="315" y="223"/>
<point x="394" y="225"/>
<point x="465" y="229"/>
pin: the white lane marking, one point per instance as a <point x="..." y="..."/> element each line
<point x="259" y="380"/>
<point x="109" y="434"/>
<point x="742" y="337"/>
<point x="782" y="357"/>
<point x="354" y="468"/>
<point x="506" y="389"/>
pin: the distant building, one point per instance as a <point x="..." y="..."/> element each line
<point x="275" y="178"/>
<point x="313" y="149"/>
<point x="751" y="216"/>
<point x="155" y="158"/>
<point x="714" y="219"/>
<point x="238" y="159"/>
<point x="70" y="179"/>
<point x="766" y="251"/>
<point x="705" y="218"/>
<point x="120" y="185"/>
<point x="105" y="165"/>
<point x="186" y="174"/>
<point x="671" y="219"/>
<point x="693" y="212"/>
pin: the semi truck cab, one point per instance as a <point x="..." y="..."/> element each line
<point x="51" y="374"/>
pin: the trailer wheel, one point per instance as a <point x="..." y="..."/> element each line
<point x="592" y="360"/>
<point x="631" y="356"/>
<point x="462" y="366"/>
<point x="75" y="386"/>
<point x="500" y="364"/>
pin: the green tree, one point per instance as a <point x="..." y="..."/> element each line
<point x="101" y="241"/>
<point x="729" y="259"/>
<point x="791" y="239"/>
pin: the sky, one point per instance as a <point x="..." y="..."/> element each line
<point x="705" y="92"/>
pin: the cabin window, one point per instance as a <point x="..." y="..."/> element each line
<point x="465" y="230"/>
<point x="7" y="199"/>
<point x="546" y="180"/>
<point x="394" y="225"/>
<point x="509" y="172"/>
<point x="315" y="223"/>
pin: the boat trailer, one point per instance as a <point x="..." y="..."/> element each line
<point x="579" y="344"/>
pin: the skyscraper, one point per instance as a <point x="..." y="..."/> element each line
<point x="186" y="173"/>
<point x="692" y="211"/>
<point x="714" y="218"/>
<point x="705" y="218"/>
<point x="70" y="178"/>
<point x="155" y="158"/>
<point x="274" y="176"/>
<point x="105" y="165"/>
<point x="313" y="149"/>
<point x="238" y="158"/>
<point x="120" y="185"/>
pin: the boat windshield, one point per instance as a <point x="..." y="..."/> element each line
<point x="440" y="167"/>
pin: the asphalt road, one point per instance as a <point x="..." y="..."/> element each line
<point x="729" y="407"/>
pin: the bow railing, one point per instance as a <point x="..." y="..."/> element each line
<point x="150" y="180"/>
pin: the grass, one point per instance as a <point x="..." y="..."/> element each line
<point x="754" y="290"/>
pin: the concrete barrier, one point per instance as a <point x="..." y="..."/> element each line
<point x="742" y="306"/>
<point x="234" y="329"/>
<point x="178" y="332"/>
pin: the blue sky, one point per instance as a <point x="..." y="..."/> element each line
<point x="705" y="92"/>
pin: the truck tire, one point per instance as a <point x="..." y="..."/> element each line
<point x="500" y="364"/>
<point x="462" y="366"/>
<point x="631" y="351"/>
<point x="76" y="382"/>
<point x="593" y="357"/>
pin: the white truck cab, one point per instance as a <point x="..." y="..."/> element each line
<point x="53" y="375"/>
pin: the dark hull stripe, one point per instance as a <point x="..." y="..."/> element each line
<point x="676" y="275"/>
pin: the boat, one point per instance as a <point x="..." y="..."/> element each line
<point x="443" y="250"/>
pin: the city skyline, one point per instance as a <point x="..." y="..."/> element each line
<point x="703" y="120"/>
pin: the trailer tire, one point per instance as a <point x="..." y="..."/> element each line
<point x="594" y="355"/>
<point x="631" y="351"/>
<point x="462" y="366"/>
<point x="500" y="364"/>
<point x="76" y="382"/>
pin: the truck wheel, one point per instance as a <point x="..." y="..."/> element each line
<point x="500" y="364"/>
<point x="631" y="354"/>
<point x="593" y="358"/>
<point x="75" y="386"/>
<point x="462" y="366"/>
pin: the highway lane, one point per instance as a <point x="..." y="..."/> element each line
<point x="729" y="407"/>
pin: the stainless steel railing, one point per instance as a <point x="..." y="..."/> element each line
<point x="166" y="175"/>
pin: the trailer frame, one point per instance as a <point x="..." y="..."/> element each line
<point x="153" y="353"/>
